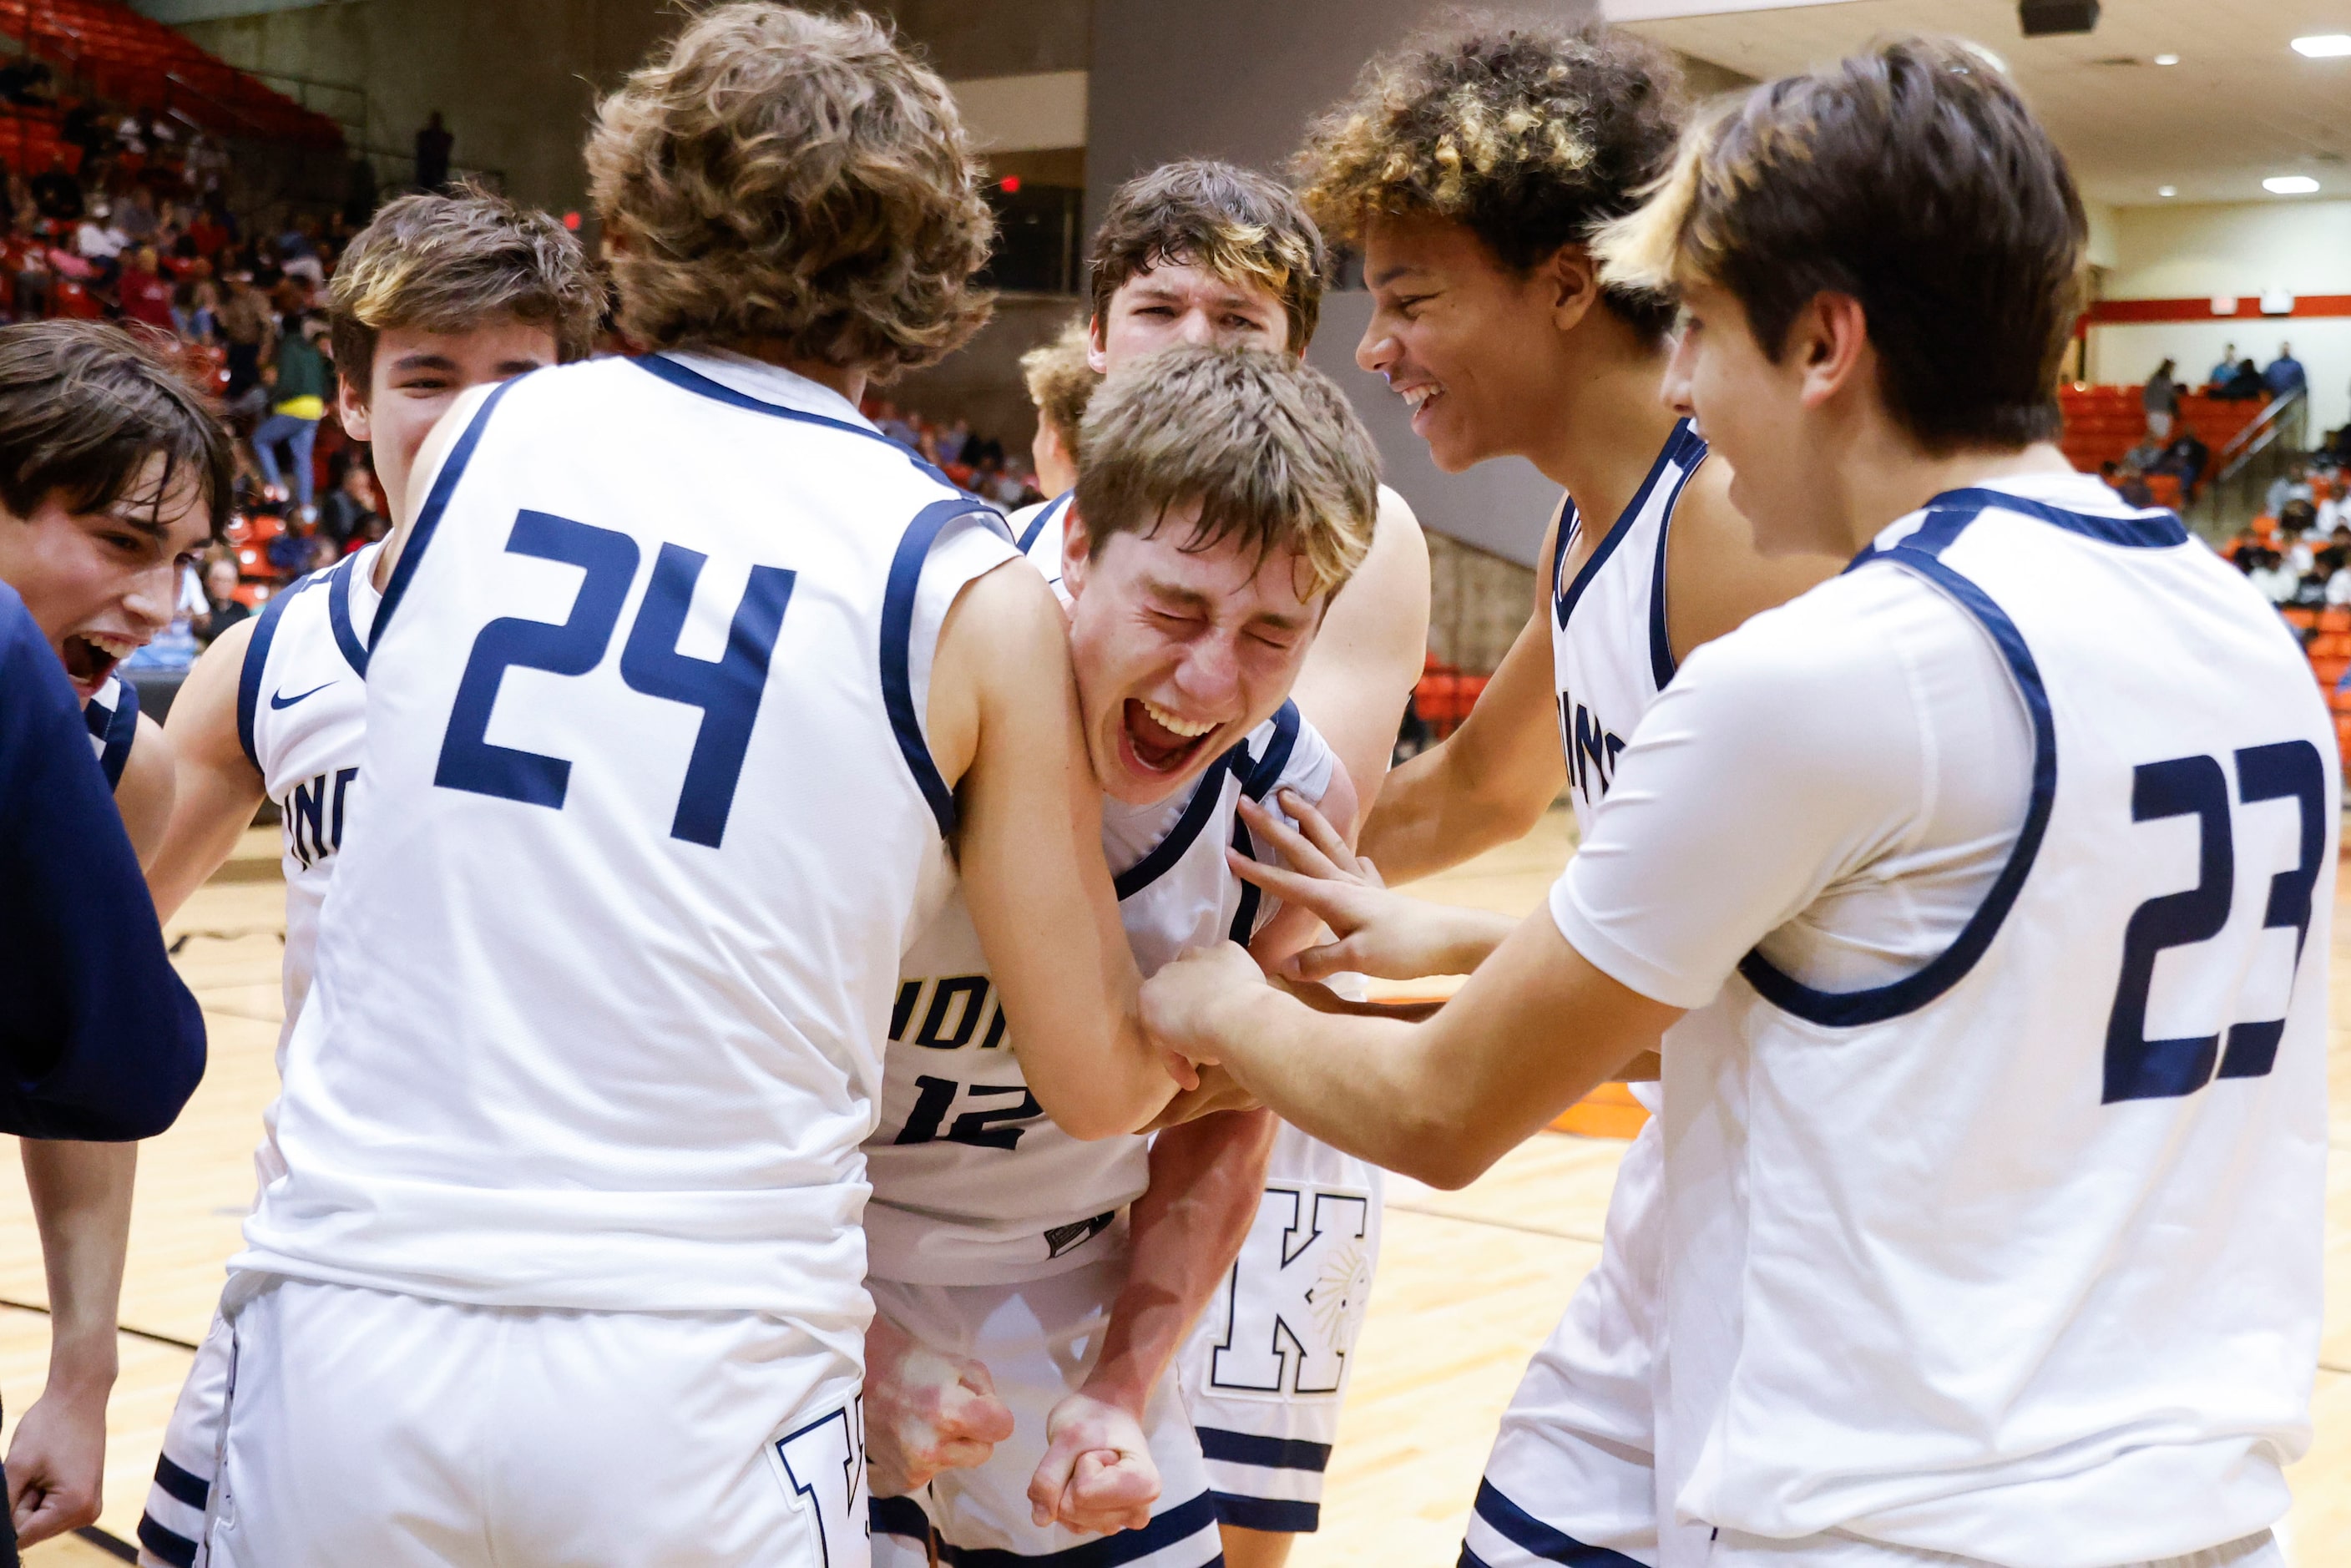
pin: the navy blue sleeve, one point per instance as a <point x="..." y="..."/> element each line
<point x="99" y="1040"/>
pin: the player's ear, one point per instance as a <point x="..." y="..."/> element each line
<point x="1573" y="278"/>
<point x="1097" y="357"/>
<point x="350" y="410"/>
<point x="1829" y="343"/>
<point x="1077" y="554"/>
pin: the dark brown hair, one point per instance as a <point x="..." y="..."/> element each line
<point x="450" y="263"/>
<point x="780" y="175"/>
<point x="1913" y="178"/>
<point x="1232" y="222"/>
<point x="84" y="407"/>
<point x="1530" y="137"/>
<point x="1268" y="446"/>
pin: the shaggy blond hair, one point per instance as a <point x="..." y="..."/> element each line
<point x="1530" y="137"/>
<point x="795" y="181"/>
<point x="1230" y="222"/>
<point x="1060" y="382"/>
<point x="433" y="262"/>
<point x="1268" y="446"/>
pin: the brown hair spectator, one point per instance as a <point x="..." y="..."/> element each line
<point x="433" y="262"/>
<point x="1820" y="183"/>
<point x="1060" y="382"/>
<point x="796" y="180"/>
<point x="84" y="409"/>
<point x="1231" y="222"/>
<point x="1268" y="446"/>
<point x="1530" y="137"/>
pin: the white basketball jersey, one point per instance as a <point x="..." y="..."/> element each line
<point x="1610" y="653"/>
<point x="112" y="717"/>
<point x="2018" y="1257"/>
<point x="972" y="1184"/>
<point x="649" y="818"/>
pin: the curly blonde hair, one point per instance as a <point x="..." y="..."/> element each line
<point x="1531" y="137"/>
<point x="1269" y="446"/>
<point x="1060" y="382"/>
<point x="793" y="179"/>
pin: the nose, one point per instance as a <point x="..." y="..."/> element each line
<point x="1377" y="350"/>
<point x="154" y="594"/>
<point x="1675" y="389"/>
<point x="1199" y="330"/>
<point x="1210" y="674"/>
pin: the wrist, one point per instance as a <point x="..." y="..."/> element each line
<point x="82" y="1366"/>
<point x="1471" y="936"/>
<point x="1119" y="1385"/>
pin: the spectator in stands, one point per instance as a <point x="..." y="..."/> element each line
<point x="29" y="258"/>
<point x="887" y="421"/>
<point x="2245" y="385"/>
<point x="2186" y="458"/>
<point x="2267" y="572"/>
<point x="195" y="310"/>
<point x="146" y="295"/>
<point x="98" y="240"/>
<point x="348" y="512"/>
<point x="2160" y="397"/>
<point x="1060" y="383"/>
<point x="300" y="550"/>
<point x="298" y="386"/>
<point x="211" y="229"/>
<point x="299" y="254"/>
<point x="247" y="328"/>
<point x="56" y="193"/>
<point x="135" y="214"/>
<point x="433" y="144"/>
<point x="2224" y="370"/>
<point x="223" y="609"/>
<point x="24" y="81"/>
<point x="2284" y="374"/>
<point x="2288" y="488"/>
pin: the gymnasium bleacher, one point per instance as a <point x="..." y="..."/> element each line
<point x="138" y="63"/>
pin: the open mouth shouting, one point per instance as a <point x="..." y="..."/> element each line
<point x="1160" y="742"/>
<point x="90" y="656"/>
<point x="1418" y="399"/>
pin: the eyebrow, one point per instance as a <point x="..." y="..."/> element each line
<point x="1231" y="299"/>
<point x="425" y="363"/>
<point x="148" y="525"/>
<point x="1389" y="274"/>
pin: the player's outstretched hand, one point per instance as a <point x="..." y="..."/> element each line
<point x="1183" y="1003"/>
<point x="924" y="1411"/>
<point x="55" y="1465"/>
<point x="1386" y="935"/>
<point x="1097" y="1473"/>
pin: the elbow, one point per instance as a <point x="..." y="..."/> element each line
<point x="1448" y="1153"/>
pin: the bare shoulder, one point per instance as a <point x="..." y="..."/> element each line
<point x="145" y="794"/>
<point x="203" y="721"/>
<point x="1393" y="581"/>
<point x="1716" y="577"/>
<point x="1004" y="640"/>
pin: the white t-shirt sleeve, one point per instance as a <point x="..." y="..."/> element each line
<point x="1838" y="782"/>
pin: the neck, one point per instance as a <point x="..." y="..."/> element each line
<point x="1608" y="420"/>
<point x="849" y="382"/>
<point x="1884" y="476"/>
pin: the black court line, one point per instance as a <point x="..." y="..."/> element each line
<point x="106" y="1541"/>
<point x="185" y="938"/>
<point x="1497" y="1224"/>
<point x="172" y="1340"/>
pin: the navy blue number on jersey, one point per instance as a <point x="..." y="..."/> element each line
<point x="2138" y="1068"/>
<point x="728" y="690"/>
<point x="985" y="1115"/>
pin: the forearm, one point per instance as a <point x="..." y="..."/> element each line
<point x="81" y="1202"/>
<point x="1449" y="804"/>
<point x="1206" y="1179"/>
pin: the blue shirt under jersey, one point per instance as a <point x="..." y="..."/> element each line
<point x="99" y="1040"/>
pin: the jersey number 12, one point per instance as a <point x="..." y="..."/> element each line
<point x="728" y="689"/>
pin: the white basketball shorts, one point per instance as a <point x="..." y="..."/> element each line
<point x="1574" y="1466"/>
<point x="174" y="1519"/>
<point x="367" y="1429"/>
<point x="1038" y="1339"/>
<point x="1733" y="1551"/>
<point x="1266" y="1367"/>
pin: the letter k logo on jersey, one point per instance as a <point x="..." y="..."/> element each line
<point x="1296" y="1297"/>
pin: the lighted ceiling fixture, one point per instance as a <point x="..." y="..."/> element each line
<point x="2324" y="45"/>
<point x="2288" y="184"/>
<point x="2166" y="60"/>
<point x="2167" y="190"/>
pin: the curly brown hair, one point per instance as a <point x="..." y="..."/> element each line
<point x="1530" y="137"/>
<point x="795" y="180"/>
<point x="438" y="263"/>
<point x="1231" y="222"/>
<point x="1268" y="446"/>
<point x="1060" y="382"/>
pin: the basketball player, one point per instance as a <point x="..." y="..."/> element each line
<point x="1060" y="380"/>
<point x="113" y="474"/>
<point x="1981" y="1246"/>
<point x="437" y="294"/>
<point x="1204" y="251"/>
<point x="1223" y="496"/>
<point x="662" y="768"/>
<point x="1491" y="320"/>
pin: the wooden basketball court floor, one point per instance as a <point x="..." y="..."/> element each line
<point x="1469" y="1282"/>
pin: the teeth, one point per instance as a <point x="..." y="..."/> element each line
<point x="1417" y="396"/>
<point x="1189" y="729"/>
<point x="117" y="647"/>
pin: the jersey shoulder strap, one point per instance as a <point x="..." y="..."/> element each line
<point x="113" y="725"/>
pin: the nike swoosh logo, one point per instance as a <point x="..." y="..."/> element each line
<point x="277" y="701"/>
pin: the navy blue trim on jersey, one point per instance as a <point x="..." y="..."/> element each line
<point x="1949" y="515"/>
<point x="428" y="520"/>
<point x="256" y="661"/>
<point x="1162" y="856"/>
<point x="1563" y="600"/>
<point x="1053" y="508"/>
<point x="115" y="728"/>
<point x="1176" y="1525"/>
<point x="1257" y="783"/>
<point x="339" y="614"/>
<point x="1266" y="1453"/>
<point x="899" y="1516"/>
<point x="1535" y="1537"/>
<point x="1275" y="1515"/>
<point x="1846" y="1010"/>
<point x="181" y="1485"/>
<point x="897" y="639"/>
<point x="700" y="385"/>
<point x="1662" y="664"/>
<point x="168" y="1545"/>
